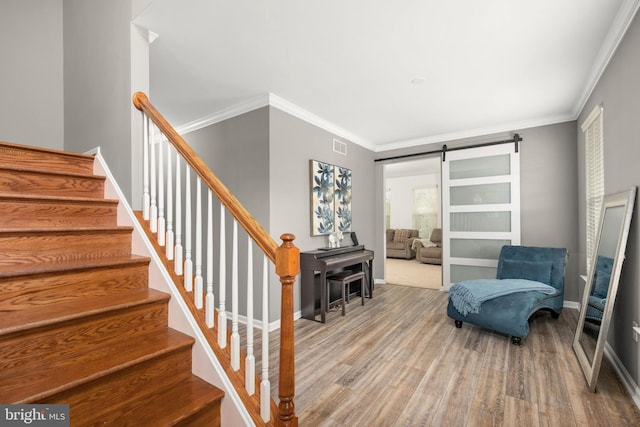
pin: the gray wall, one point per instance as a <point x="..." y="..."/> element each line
<point x="549" y="201"/>
<point x="97" y="82"/>
<point x="237" y="151"/>
<point x="263" y="158"/>
<point x="31" y="91"/>
<point x="619" y="91"/>
<point x="67" y="78"/>
<point x="548" y="185"/>
<point x="293" y="142"/>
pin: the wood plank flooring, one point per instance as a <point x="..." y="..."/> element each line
<point x="400" y="361"/>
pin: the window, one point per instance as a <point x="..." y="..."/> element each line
<point x="594" y="177"/>
<point x="425" y="210"/>
<point x="387" y="209"/>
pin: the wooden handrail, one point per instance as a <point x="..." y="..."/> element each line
<point x="286" y="257"/>
<point x="244" y="218"/>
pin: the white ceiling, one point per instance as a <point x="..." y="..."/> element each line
<point x="487" y="66"/>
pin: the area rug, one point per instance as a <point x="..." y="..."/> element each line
<point x="412" y="273"/>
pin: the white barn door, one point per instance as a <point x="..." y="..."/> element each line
<point x="480" y="210"/>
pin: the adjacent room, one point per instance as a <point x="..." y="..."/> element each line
<point x="412" y="202"/>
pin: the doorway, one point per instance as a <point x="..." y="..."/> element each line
<point x="413" y="201"/>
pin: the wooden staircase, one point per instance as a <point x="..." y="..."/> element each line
<point x="78" y="322"/>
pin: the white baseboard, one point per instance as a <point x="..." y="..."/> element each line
<point x="571" y="304"/>
<point x="627" y="380"/>
<point x="624" y="375"/>
<point x="273" y="326"/>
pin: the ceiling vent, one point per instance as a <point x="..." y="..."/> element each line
<point x="339" y="147"/>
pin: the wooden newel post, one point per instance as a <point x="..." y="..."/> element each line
<point x="287" y="267"/>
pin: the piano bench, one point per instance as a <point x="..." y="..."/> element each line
<point x="344" y="279"/>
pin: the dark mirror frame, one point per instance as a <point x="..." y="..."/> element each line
<point x="591" y="365"/>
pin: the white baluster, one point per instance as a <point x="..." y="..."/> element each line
<point x="265" y="384"/>
<point x="153" y="213"/>
<point x="146" y="200"/>
<point x="222" y="292"/>
<point x="169" y="234"/>
<point x="162" y="228"/>
<point x="250" y="360"/>
<point x="197" y="293"/>
<point x="209" y="299"/>
<point x="188" y="263"/>
<point x="235" y="336"/>
<point x="177" y="264"/>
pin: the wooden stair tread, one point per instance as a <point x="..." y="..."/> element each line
<point x="41" y="316"/>
<point x="22" y="155"/>
<point x="46" y="198"/>
<point x="31" y="246"/>
<point x="7" y="271"/>
<point x="27" y="181"/>
<point x="20" y="210"/>
<point x="29" y="385"/>
<point x="44" y="150"/>
<point x="66" y="230"/>
<point x="187" y="398"/>
<point x="45" y="171"/>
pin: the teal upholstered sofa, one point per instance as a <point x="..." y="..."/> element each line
<point x="528" y="279"/>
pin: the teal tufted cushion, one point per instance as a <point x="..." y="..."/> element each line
<point x="601" y="285"/>
<point x="539" y="271"/>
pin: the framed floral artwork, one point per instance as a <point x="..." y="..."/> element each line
<point x="322" y="198"/>
<point x="330" y="198"/>
<point x="342" y="200"/>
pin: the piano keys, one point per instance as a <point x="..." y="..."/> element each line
<point x="314" y="267"/>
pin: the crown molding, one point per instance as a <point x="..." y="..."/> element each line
<point x="307" y="116"/>
<point x="224" y="114"/>
<point x="151" y="36"/>
<point x="148" y="34"/>
<point x="471" y="133"/>
<point x="296" y="111"/>
<point x="621" y="23"/>
<point x="280" y="103"/>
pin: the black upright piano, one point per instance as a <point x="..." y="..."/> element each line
<point x="314" y="267"/>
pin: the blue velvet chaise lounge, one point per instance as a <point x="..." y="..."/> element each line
<point x="528" y="279"/>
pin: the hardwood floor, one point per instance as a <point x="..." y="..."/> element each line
<point x="400" y="361"/>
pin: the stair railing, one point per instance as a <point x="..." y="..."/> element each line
<point x="160" y="184"/>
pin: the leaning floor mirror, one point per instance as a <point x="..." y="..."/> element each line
<point x="602" y="283"/>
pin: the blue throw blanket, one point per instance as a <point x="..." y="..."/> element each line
<point x="467" y="296"/>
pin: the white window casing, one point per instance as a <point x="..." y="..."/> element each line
<point x="594" y="176"/>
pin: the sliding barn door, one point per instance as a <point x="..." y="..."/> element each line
<point x="481" y="210"/>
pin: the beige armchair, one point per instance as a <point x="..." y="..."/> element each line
<point x="430" y="252"/>
<point x="399" y="242"/>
